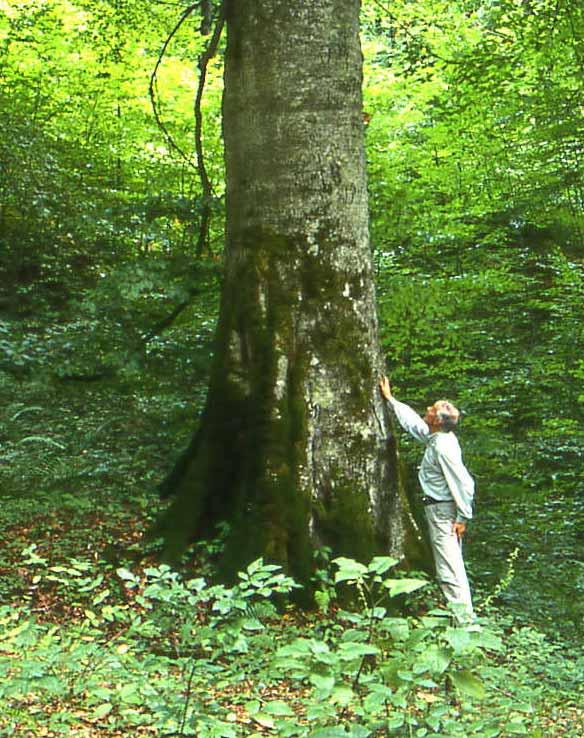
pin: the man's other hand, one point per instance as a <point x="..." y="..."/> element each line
<point x="385" y="388"/>
<point x="459" y="529"/>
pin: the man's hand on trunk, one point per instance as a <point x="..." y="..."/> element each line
<point x="385" y="388"/>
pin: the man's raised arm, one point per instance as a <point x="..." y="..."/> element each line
<point x="409" y="419"/>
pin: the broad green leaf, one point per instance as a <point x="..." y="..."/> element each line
<point x="103" y="710"/>
<point x="342" y="695"/>
<point x="349" y="570"/>
<point x="495" y="732"/>
<point x="487" y="640"/>
<point x="468" y="684"/>
<point x="396" y="722"/>
<point x="103" y="693"/>
<point x="98" y="599"/>
<point x="130" y="694"/>
<point x="320" y="649"/>
<point x="278" y="708"/>
<point x="252" y="707"/>
<point x="433" y="622"/>
<point x="125" y="574"/>
<point x="65" y="570"/>
<point x="349" y="651"/>
<point x="255" y="566"/>
<point x="322" y="599"/>
<point x="374" y="703"/>
<point x="459" y="639"/>
<point x="405" y="676"/>
<point x="398" y="628"/>
<point x="516" y="727"/>
<point x="263" y="719"/>
<point x="434" y="659"/>
<point x="299" y="647"/>
<point x="324" y="682"/>
<point x="380" y="564"/>
<point x="403" y="586"/>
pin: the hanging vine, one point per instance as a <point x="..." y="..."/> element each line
<point x="205" y="57"/>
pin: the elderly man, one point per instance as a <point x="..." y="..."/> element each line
<point x="448" y="493"/>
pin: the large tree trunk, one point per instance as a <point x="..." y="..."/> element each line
<point x="292" y="449"/>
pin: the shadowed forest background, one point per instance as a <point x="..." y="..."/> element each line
<point x="111" y="253"/>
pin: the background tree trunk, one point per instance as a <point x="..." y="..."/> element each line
<point x="292" y="448"/>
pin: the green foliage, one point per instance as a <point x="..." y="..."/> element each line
<point x="129" y="655"/>
<point x="475" y="163"/>
<point x="92" y="186"/>
<point x="472" y="131"/>
<point x="477" y="218"/>
<point x="502" y="346"/>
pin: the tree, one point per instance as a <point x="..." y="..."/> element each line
<point x="292" y="446"/>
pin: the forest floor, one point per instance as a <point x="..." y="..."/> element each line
<point x="96" y="639"/>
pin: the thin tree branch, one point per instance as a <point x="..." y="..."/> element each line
<point x="204" y="59"/>
<point x="170" y="318"/>
<point x="183" y="721"/>
<point x="203" y="238"/>
<point x="153" y="87"/>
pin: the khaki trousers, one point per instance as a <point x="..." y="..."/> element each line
<point x="448" y="560"/>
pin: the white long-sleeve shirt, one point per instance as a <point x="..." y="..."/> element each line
<point x="442" y="473"/>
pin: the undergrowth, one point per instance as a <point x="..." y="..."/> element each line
<point x="144" y="650"/>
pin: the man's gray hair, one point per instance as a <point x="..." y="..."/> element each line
<point x="448" y="416"/>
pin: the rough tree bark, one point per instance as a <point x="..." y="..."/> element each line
<point x="292" y="447"/>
